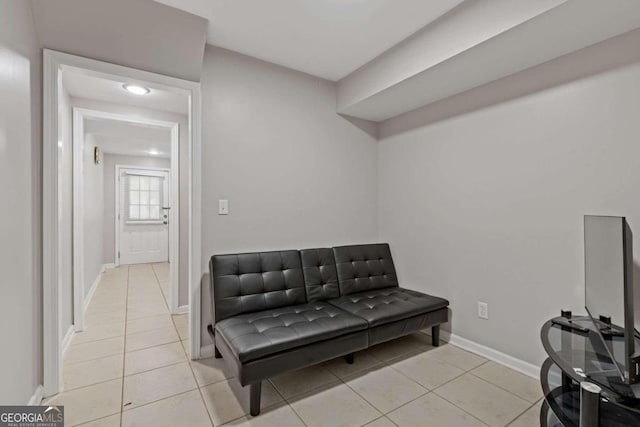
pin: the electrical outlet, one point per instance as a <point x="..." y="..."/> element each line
<point x="483" y="310"/>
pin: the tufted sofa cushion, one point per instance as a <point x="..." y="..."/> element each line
<point x="244" y="283"/>
<point x="255" y="335"/>
<point x="320" y="276"/>
<point x="364" y="267"/>
<point x="383" y="306"/>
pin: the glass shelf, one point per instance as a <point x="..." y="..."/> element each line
<point x="576" y="356"/>
<point x="563" y="399"/>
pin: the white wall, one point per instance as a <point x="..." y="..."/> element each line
<point x="182" y="120"/>
<point x="20" y="187"/>
<point x="110" y="162"/>
<point x="165" y="41"/>
<point x="295" y="173"/>
<point x="488" y="205"/>
<point x="93" y="214"/>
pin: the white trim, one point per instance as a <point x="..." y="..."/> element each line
<point x="144" y="222"/>
<point x="53" y="62"/>
<point x="52" y="360"/>
<point x="183" y="309"/>
<point x="195" y="213"/>
<point x="77" y="217"/>
<point x="92" y="290"/>
<point x="174" y="221"/>
<point x="206" y="351"/>
<point x="519" y="365"/>
<point x="109" y="265"/>
<point x="38" y="395"/>
<point x="66" y="341"/>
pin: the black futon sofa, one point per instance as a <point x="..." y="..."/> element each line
<point x="279" y="311"/>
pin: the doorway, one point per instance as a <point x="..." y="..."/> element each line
<point x="185" y="178"/>
<point x="142" y="230"/>
<point x="142" y="216"/>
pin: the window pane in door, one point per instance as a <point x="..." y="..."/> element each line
<point x="134" y="212"/>
<point x="154" y="198"/>
<point x="144" y="182"/>
<point x="134" y="197"/>
<point x="144" y="212"/>
<point x="144" y="197"/>
<point x="134" y="182"/>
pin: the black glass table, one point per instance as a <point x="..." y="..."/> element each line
<point x="578" y="354"/>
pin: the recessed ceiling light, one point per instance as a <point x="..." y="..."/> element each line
<point x="154" y="152"/>
<point x="136" y="89"/>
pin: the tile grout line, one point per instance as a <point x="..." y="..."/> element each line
<point x="340" y="381"/>
<point x="465" y="371"/>
<point x="100" y="382"/>
<point x="164" y="298"/>
<point x="523" y="412"/>
<point x="124" y="346"/>
<point x="286" y="402"/>
<point x="193" y="375"/>
<point x="502" y="388"/>
<point x="386" y="364"/>
<point x="456" y="406"/>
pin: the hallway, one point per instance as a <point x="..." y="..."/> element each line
<point x="131" y="354"/>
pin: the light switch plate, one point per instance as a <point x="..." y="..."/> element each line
<point x="223" y="207"/>
<point x="483" y="310"/>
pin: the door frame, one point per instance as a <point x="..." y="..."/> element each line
<point x="173" y="247"/>
<point x="79" y="117"/>
<point x="53" y="63"/>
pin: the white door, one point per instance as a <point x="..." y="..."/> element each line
<point x="143" y="217"/>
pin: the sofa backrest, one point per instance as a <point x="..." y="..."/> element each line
<point x="364" y="267"/>
<point x="244" y="283"/>
<point x="320" y="275"/>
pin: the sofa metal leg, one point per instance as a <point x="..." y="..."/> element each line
<point x="350" y="358"/>
<point x="255" y="391"/>
<point x="216" y="352"/>
<point x="435" y="335"/>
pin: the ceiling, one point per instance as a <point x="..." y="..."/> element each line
<point x="325" y="38"/>
<point x="81" y="85"/>
<point x="479" y="42"/>
<point x="117" y="137"/>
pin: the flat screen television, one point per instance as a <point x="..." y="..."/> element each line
<point x="609" y="290"/>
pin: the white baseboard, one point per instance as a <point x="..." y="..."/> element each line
<point x="93" y="288"/>
<point x="66" y="341"/>
<point x="110" y="265"/>
<point x="519" y="365"/>
<point x="182" y="309"/>
<point x="37" y="396"/>
<point x="206" y="351"/>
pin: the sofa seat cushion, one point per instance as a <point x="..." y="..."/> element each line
<point x="381" y="306"/>
<point x="255" y="335"/>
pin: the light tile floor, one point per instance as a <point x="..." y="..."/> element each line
<point x="130" y="368"/>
